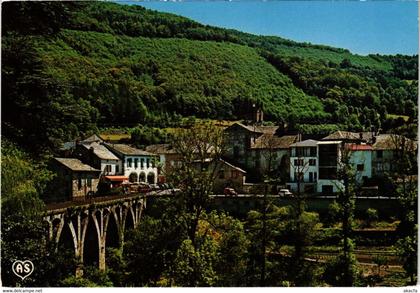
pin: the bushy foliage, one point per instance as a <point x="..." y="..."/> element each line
<point x="23" y="230"/>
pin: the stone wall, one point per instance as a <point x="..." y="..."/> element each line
<point x="81" y="188"/>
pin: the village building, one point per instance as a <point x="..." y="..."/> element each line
<point x="329" y="157"/>
<point x="303" y="166"/>
<point x="258" y="150"/>
<point x="361" y="161"/>
<point x="74" y="181"/>
<point x="168" y="159"/>
<point x="100" y="157"/>
<point x="386" y="149"/>
<point x="228" y="175"/>
<point x="350" y="137"/>
<point x="137" y="165"/>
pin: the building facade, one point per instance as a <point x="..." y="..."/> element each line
<point x="259" y="150"/>
<point x="329" y="157"/>
<point x="137" y="165"/>
<point x="74" y="181"/>
<point x="303" y="166"/>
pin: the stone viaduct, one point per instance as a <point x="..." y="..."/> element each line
<point x="88" y="227"/>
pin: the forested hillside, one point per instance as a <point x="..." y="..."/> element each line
<point x="70" y="67"/>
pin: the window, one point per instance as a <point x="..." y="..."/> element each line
<point x="221" y="174"/>
<point x="360" y="167"/>
<point x="79" y="183"/>
<point x="327" y="173"/>
<point x="108" y="168"/>
<point x="89" y="181"/>
<point x="299" y="162"/>
<point x="142" y="163"/>
<point x="300" y="152"/>
<point x="129" y="162"/>
<point x="311" y="177"/>
<point x="136" y="163"/>
<point x="117" y="168"/>
<point x="379" y="154"/>
<point x="148" y="163"/>
<point x="328" y="189"/>
<point x="312" y="162"/>
<point x="313" y="151"/>
<point x="234" y="174"/>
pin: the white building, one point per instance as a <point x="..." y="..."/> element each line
<point x="137" y="165"/>
<point x="303" y="166"/>
<point x="361" y="161"/>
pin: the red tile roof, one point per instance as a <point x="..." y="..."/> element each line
<point x="359" y="147"/>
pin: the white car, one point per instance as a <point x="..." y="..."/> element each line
<point x="285" y="192"/>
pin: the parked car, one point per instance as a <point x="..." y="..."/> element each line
<point x="144" y="188"/>
<point x="285" y="192"/>
<point x="154" y="187"/>
<point x="230" y="191"/>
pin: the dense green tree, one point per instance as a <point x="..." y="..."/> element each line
<point x="347" y="274"/>
<point x="24" y="233"/>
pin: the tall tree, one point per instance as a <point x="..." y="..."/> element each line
<point x="405" y="179"/>
<point x="343" y="270"/>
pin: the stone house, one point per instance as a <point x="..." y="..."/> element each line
<point x="258" y="150"/>
<point x="385" y="152"/>
<point x="228" y="175"/>
<point x="137" y="165"/>
<point x="74" y="181"/>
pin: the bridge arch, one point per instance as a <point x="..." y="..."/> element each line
<point x="66" y="239"/>
<point x="91" y="243"/>
<point x="112" y="237"/>
<point x="130" y="219"/>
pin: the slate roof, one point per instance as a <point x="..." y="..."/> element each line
<point x="128" y="150"/>
<point x="101" y="151"/>
<point x="347" y="135"/>
<point x="68" y="146"/>
<point x="255" y="129"/>
<point x="92" y="138"/>
<point x="76" y="165"/>
<point x="271" y="141"/>
<point x="305" y="143"/>
<point x="160" y="149"/>
<point x="390" y="142"/>
<point x="342" y="135"/>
